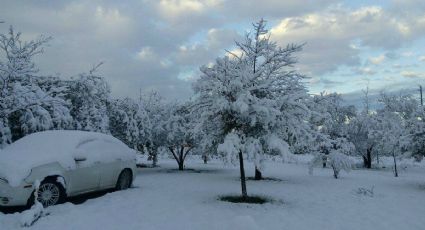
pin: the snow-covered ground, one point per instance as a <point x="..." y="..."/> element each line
<point x="164" y="198"/>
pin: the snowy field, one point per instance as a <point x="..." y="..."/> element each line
<point x="164" y="198"/>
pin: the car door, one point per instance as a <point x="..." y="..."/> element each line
<point x="111" y="166"/>
<point x="86" y="175"/>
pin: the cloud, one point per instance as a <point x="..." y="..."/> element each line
<point x="160" y="44"/>
<point x="253" y="10"/>
<point x="412" y="74"/>
<point x="377" y="60"/>
<point x="331" y="35"/>
<point x="146" y="54"/>
<point x="214" y="45"/>
<point x="392" y="55"/>
<point x="365" y="71"/>
<point x="421" y="58"/>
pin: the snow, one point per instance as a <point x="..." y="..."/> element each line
<point x="29" y="217"/>
<point x="168" y="199"/>
<point x="17" y="159"/>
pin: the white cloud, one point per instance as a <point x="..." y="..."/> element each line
<point x="421" y="58"/>
<point x="172" y="9"/>
<point x="412" y="74"/>
<point x="365" y="71"/>
<point x="330" y="35"/>
<point x="112" y="23"/>
<point x="377" y="60"/>
<point x="146" y="54"/>
<point x="408" y="54"/>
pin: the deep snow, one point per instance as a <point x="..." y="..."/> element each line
<point x="164" y="198"/>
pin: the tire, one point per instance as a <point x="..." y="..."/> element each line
<point x="50" y="193"/>
<point x="125" y="180"/>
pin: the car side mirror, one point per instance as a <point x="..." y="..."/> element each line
<point x="79" y="159"/>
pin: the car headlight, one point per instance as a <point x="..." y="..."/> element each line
<point x="4" y="180"/>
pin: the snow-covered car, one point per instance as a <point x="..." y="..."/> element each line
<point x="65" y="164"/>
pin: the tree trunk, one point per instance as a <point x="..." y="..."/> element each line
<point x="181" y="165"/>
<point x="180" y="161"/>
<point x="336" y="172"/>
<point x="258" y="174"/>
<point x="367" y="160"/>
<point x="243" y="180"/>
<point x="395" y="165"/>
<point x="154" y="160"/>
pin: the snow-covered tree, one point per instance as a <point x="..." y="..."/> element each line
<point x="391" y="135"/>
<point x="393" y="126"/>
<point x="179" y="127"/>
<point x="337" y="157"/>
<point x="412" y="115"/>
<point x="361" y="132"/>
<point x="25" y="107"/>
<point x="249" y="101"/>
<point x="329" y="118"/>
<point x="329" y="114"/>
<point x="415" y="128"/>
<point x="125" y="121"/>
<point x="89" y="95"/>
<point x="152" y="113"/>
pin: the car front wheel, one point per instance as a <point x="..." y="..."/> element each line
<point x="124" y="180"/>
<point x="49" y="193"/>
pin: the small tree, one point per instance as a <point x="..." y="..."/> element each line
<point x="179" y="128"/>
<point x="391" y="132"/>
<point x="152" y="114"/>
<point x="361" y="132"/>
<point x="245" y="109"/>
<point x="337" y="157"/>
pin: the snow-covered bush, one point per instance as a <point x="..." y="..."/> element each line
<point x="337" y="156"/>
<point x="339" y="161"/>
<point x="336" y="159"/>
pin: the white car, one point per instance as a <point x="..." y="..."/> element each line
<point x="65" y="164"/>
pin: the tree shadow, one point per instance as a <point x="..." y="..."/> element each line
<point x="265" y="179"/>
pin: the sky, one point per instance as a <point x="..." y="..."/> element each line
<point x="160" y="44"/>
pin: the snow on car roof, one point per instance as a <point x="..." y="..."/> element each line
<point x="17" y="159"/>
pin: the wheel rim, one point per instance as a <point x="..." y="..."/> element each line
<point x="124" y="180"/>
<point x="48" y="194"/>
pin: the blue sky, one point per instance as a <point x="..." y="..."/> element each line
<point x="160" y="44"/>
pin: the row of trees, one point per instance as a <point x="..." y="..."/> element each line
<point x="246" y="106"/>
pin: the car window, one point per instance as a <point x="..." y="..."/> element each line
<point x="101" y="151"/>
